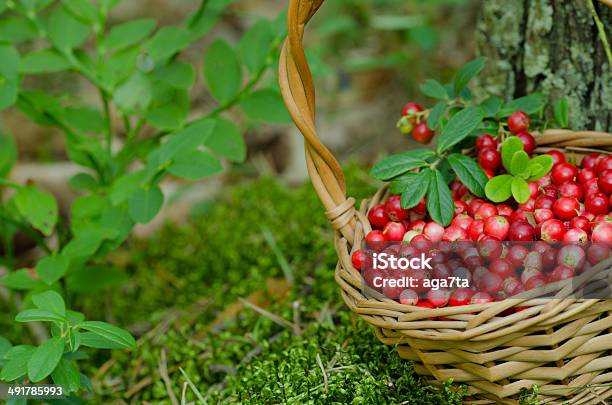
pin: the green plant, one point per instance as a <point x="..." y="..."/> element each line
<point x="459" y="119"/>
<point x="141" y="78"/>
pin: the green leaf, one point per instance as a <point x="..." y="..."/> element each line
<point x="107" y="5"/>
<point x="45" y="358"/>
<point x="52" y="268"/>
<point x="16" y="365"/>
<point x="84" y="244"/>
<point x="187" y="139"/>
<point x="82" y="9"/>
<point x="265" y="105"/>
<point x="520" y="190"/>
<point x="19" y="280"/>
<point x="145" y="204"/>
<point x="519" y="162"/>
<point x="195" y="165"/>
<point x="436" y="114"/>
<point x="38" y="207"/>
<point x="16" y="29"/>
<point x="510" y="146"/>
<point x="529" y="104"/>
<point x="222" y="71"/>
<point x="110" y="332"/>
<point x="491" y="106"/>
<point x="395" y="165"/>
<point x="166" y="42"/>
<point x="469" y="173"/>
<point x="8" y="154"/>
<point x="74" y="317"/>
<point x="67" y="374"/>
<point x="84" y="119"/>
<point x="126" y="185"/>
<point x="9" y="80"/>
<point x="38" y="315"/>
<point x="135" y="94"/>
<point x="43" y="61"/>
<point x="167" y="117"/>
<point x="127" y="34"/>
<point x="561" y="111"/>
<point x="177" y="74"/>
<point x="499" y="188"/>
<point x="467" y="73"/>
<point x="415" y="193"/>
<point x="439" y="199"/>
<point x="5" y="346"/>
<point x="65" y="31"/>
<point x="50" y="300"/>
<point x="402" y="183"/>
<point x="458" y="128"/>
<point x="118" y="67"/>
<point x="539" y="166"/>
<point x="90" y="339"/>
<point x="434" y="89"/>
<point x="255" y="45"/>
<point x="35" y="5"/>
<point x="226" y="140"/>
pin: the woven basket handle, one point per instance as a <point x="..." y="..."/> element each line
<point x="298" y="91"/>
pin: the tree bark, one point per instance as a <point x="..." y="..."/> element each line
<point x="548" y="46"/>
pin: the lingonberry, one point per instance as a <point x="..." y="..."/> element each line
<point x="458" y="189"/>
<point x="544" y="201"/>
<point x="521" y="231"/>
<point x="550" y="191"/>
<point x="571" y="189"/>
<point x="504" y="209"/>
<point x="497" y="226"/>
<point x="561" y="272"/>
<point x="581" y="222"/>
<point x="529" y="143"/>
<point x="459" y="297"/>
<point x="549" y="259"/>
<point x="591" y="187"/>
<point x="604" y="164"/>
<point x="476" y="229"/>
<point x="392" y="291"/>
<point x="438" y="298"/>
<point x="534" y="189"/>
<point x="528" y="273"/>
<point x="605" y="182"/>
<point x="490" y="247"/>
<point x="527" y="206"/>
<point x="585" y="175"/>
<point x="409" y="235"/>
<point x="544" y="180"/>
<point x="575" y="235"/>
<point x="394" y="209"/>
<point x="557" y="155"/>
<point x="462" y="273"/>
<point x="535" y="282"/>
<point x="596" y="203"/>
<point x="591" y="160"/>
<point x="521" y="215"/>
<point x="417" y="226"/>
<point x="502" y="267"/>
<point x="370" y="274"/>
<point x="602" y="233"/>
<point x="409" y="297"/>
<point x="598" y="252"/>
<point x="543" y="214"/>
<point x="375" y="239"/>
<point x="516" y="254"/>
<point x="490" y="174"/>
<point x="421" y="133"/>
<point x="486" y="141"/>
<point x="460" y="207"/>
<point x="552" y="230"/>
<point x="563" y="172"/>
<point x="421" y="243"/>
<point x="485" y="210"/>
<point x="518" y="122"/>
<point x="473" y="206"/>
<point x="410" y="108"/>
<point x="421" y="207"/>
<point x="441" y="271"/>
<point x="489" y="158"/>
<point x="566" y="208"/>
<point x="433" y="231"/>
<point x="394" y="231"/>
<point x="481" y="298"/>
<point x="572" y="256"/>
<point x="491" y="283"/>
<point x="463" y="221"/>
<point x="454" y="233"/>
<point x="359" y="259"/>
<point x="378" y="217"/>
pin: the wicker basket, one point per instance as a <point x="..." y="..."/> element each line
<point x="562" y="345"/>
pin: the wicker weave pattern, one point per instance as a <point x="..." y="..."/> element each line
<point x="561" y="344"/>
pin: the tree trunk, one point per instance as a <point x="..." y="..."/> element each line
<point x="549" y="46"/>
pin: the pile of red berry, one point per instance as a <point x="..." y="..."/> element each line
<point x="567" y="218"/>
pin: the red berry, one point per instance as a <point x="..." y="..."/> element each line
<point x="459" y="297"/>
<point x="557" y="155"/>
<point x="378" y="217"/>
<point x="602" y="233"/>
<point x="504" y="209"/>
<point x="534" y="189"/>
<point x="544" y="180"/>
<point x="516" y="254"/>
<point x="596" y="203"/>
<point x="591" y="187"/>
<point x="476" y="229"/>
<point x="591" y="160"/>
<point x="545" y="202"/>
<point x="575" y="235"/>
<point x="585" y="175"/>
<point x="359" y="258"/>
<point x="491" y="283"/>
<point x="392" y="291"/>
<point x="438" y="298"/>
<point x="543" y="214"/>
<point x="490" y="247"/>
<point x="521" y="231"/>
<point x="572" y="256"/>
<point x="433" y="231"/>
<point x="458" y="189"/>
<point x="454" y="233"/>
<point x="561" y="272"/>
<point x="512" y="286"/>
<point x="485" y="210"/>
<point x="411" y="108"/>
<point x="473" y="206"/>
<point x="605" y="182"/>
<point x="570" y="189"/>
<point x="563" y="172"/>
<point x="497" y="226"/>
<point x="550" y="191"/>
<point x="521" y="215"/>
<point x="489" y="158"/>
<point x="394" y="231"/>
<point x="486" y="141"/>
<point x="417" y="226"/>
<point x="394" y="209"/>
<point x="566" y="208"/>
<point x="421" y="133"/>
<point x="421" y="243"/>
<point x="581" y="222"/>
<point x="421" y="207"/>
<point x="535" y="282"/>
<point x="409" y="297"/>
<point x="552" y="230"/>
<point x="375" y="239"/>
<point x="460" y="207"/>
<point x="490" y="174"/>
<point x="481" y="298"/>
<point x="529" y="273"/>
<point x="527" y="206"/>
<point x="502" y="267"/>
<point x="604" y="164"/>
<point x="518" y="122"/>
<point x="463" y="221"/>
<point x="598" y="252"/>
<point x="529" y="143"/>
